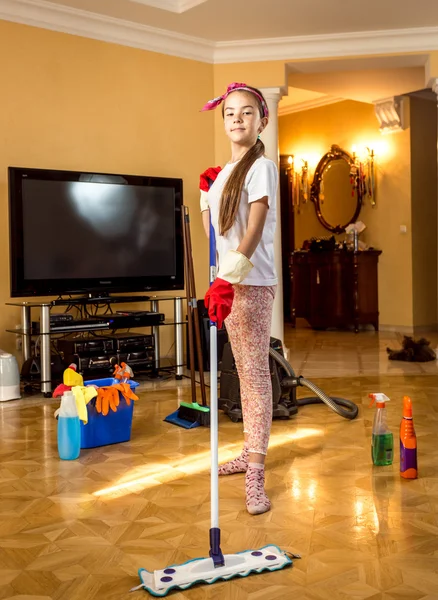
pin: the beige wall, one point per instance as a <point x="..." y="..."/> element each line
<point x="68" y="102"/>
<point x="309" y="135"/>
<point x="362" y="85"/>
<point x="423" y="121"/>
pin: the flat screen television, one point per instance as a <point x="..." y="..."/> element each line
<point x="75" y="232"/>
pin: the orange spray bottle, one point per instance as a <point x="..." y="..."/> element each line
<point x="408" y="442"/>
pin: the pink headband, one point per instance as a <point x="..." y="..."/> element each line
<point x="233" y="87"/>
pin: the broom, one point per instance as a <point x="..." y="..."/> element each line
<point x="191" y="414"/>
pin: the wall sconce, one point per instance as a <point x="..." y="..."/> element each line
<point x="298" y="181"/>
<point x="304" y="180"/>
<point x="365" y="174"/>
<point x="292" y="178"/>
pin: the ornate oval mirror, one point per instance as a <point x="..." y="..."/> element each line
<point x="335" y="190"/>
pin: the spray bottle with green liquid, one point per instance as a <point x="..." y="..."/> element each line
<point x="382" y="442"/>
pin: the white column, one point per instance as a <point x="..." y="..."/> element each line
<point x="270" y="139"/>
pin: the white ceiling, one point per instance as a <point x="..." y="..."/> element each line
<point x="226" y="20"/>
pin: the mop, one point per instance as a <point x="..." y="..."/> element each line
<point x="218" y="566"/>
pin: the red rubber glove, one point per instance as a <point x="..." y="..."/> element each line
<point x="219" y="300"/>
<point x="207" y="177"/>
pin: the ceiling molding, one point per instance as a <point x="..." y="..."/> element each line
<point x="56" y="17"/>
<point x="46" y="15"/>
<point x="324" y="46"/>
<point x="307" y="105"/>
<point x="177" y="6"/>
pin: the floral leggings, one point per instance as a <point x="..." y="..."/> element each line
<point x="249" y="330"/>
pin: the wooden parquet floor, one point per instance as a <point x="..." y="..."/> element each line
<point x="80" y="530"/>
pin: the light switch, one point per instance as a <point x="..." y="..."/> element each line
<point x="403" y="229"/>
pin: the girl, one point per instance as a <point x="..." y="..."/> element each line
<point x="242" y="205"/>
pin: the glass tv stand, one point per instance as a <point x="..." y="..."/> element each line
<point x="45" y="331"/>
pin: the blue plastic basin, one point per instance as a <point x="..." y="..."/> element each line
<point x="113" y="428"/>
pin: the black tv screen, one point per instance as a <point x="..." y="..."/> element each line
<point x="77" y="232"/>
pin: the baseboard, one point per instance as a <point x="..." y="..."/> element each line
<point x="409" y="329"/>
<point x="405" y="329"/>
<point x="419" y="329"/>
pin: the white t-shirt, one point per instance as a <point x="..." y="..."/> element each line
<point x="261" y="180"/>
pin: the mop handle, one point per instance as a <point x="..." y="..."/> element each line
<point x="213" y="268"/>
<point x="214" y="490"/>
<point x="215" y="533"/>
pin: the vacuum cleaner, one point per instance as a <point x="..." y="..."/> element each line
<point x="284" y="388"/>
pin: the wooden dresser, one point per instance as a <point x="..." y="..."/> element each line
<point x="334" y="288"/>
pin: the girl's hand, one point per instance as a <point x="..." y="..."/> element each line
<point x="219" y="300"/>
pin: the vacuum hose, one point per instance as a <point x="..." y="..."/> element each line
<point x="336" y="404"/>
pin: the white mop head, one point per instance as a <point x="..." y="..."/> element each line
<point x="201" y="570"/>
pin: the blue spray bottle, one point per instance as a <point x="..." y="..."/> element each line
<point x="69" y="428"/>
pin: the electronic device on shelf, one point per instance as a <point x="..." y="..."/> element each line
<point x="131" y="342"/>
<point x="139" y="360"/>
<point x="99" y="299"/>
<point x="135" y="349"/>
<point x="101" y="352"/>
<point x="60" y="317"/>
<point x="90" y="363"/>
<point x="110" y="321"/>
<point x="143" y="319"/>
<point x="73" y="325"/>
<point x="76" y="232"/>
<point x="98" y="344"/>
